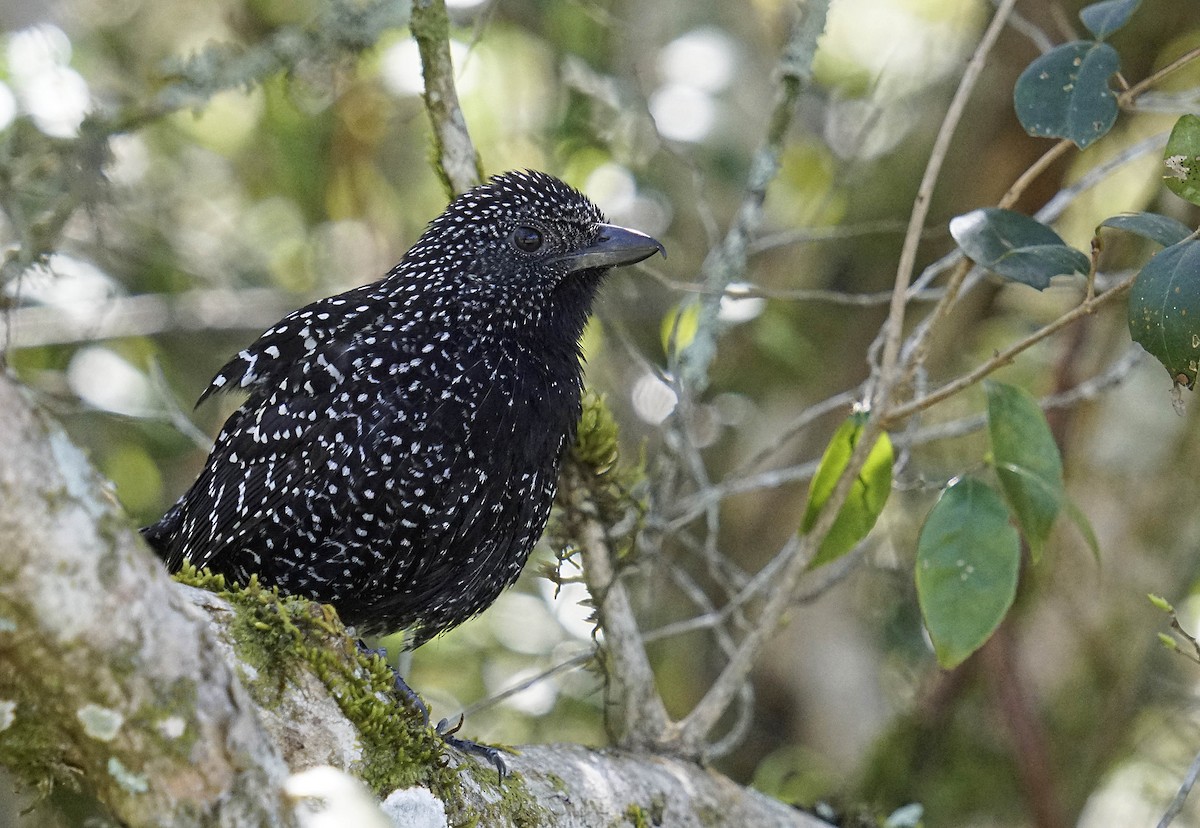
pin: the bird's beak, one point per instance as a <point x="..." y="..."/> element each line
<point x="614" y="246"/>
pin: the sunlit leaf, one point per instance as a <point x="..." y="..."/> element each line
<point x="1015" y="246"/>
<point x="1102" y="19"/>
<point x="1162" y="229"/>
<point x="1065" y="92"/>
<point x="679" y="327"/>
<point x="868" y="493"/>
<point x="1164" y="310"/>
<point x="968" y="559"/>
<point x="1182" y="157"/>
<point x="1027" y="459"/>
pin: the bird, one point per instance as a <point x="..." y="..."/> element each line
<point x="399" y="447"/>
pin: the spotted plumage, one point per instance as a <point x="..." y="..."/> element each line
<point x="399" y="449"/>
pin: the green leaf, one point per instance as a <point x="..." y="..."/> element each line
<point x="1065" y="92"/>
<point x="1182" y="157"/>
<point x="1164" y="310"/>
<point x="679" y="327"/>
<point x="968" y="558"/>
<point x="1162" y="229"/>
<point x="1102" y="19"/>
<point x="1015" y="246"/>
<point x="868" y="493"/>
<point x="1027" y="460"/>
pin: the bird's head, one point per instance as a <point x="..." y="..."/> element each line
<point x="526" y="239"/>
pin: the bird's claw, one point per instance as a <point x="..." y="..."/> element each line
<point x="491" y="754"/>
<point x="443" y="728"/>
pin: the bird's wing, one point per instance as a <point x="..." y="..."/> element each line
<point x="272" y="453"/>
<point x="298" y="337"/>
<point x="245" y="482"/>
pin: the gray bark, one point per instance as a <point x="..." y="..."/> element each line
<point x="115" y="676"/>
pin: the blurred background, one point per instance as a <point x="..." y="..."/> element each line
<point x="216" y="221"/>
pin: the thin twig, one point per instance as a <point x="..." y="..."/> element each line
<point x="1035" y="169"/>
<point x="1085" y="308"/>
<point x="1132" y="93"/>
<point x="1189" y="780"/>
<point x="727" y="261"/>
<point x="147" y="314"/>
<point x="908" y="253"/>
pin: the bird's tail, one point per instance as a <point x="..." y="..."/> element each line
<point x="161" y="536"/>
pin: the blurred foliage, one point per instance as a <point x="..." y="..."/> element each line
<point x="309" y="173"/>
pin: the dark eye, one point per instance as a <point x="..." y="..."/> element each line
<point x="526" y="238"/>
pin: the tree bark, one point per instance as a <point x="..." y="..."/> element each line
<point x="115" y="677"/>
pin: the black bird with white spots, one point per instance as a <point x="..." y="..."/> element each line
<point x="399" y="449"/>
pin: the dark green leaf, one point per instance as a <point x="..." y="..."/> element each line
<point x="1164" y="310"/>
<point x="1162" y="229"/>
<point x="1065" y="92"/>
<point x="1027" y="461"/>
<point x="1182" y="157"/>
<point x="868" y="493"/>
<point x="1015" y="246"/>
<point x="1102" y="19"/>
<point x="968" y="557"/>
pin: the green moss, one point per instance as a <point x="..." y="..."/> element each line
<point x="277" y="635"/>
<point x="595" y="485"/>
<point x="559" y="784"/>
<point x="518" y="806"/>
<point x="596" y="437"/>
<point x="636" y="816"/>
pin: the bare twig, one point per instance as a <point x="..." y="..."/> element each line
<point x="889" y="375"/>
<point x="147" y="314"/>
<point x="641" y="720"/>
<point x="1085" y="308"/>
<point x="1132" y="93"/>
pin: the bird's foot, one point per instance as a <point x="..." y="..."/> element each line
<point x="443" y="728"/>
<point x="491" y="754"/>
<point x="410" y="696"/>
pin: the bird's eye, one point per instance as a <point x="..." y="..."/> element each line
<point x="526" y="238"/>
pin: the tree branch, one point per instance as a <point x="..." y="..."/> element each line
<point x="140" y="688"/>
<point x="728" y="260"/>
<point x="109" y="675"/>
<point x="454" y="156"/>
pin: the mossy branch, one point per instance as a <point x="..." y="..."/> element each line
<point x="454" y="156"/>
